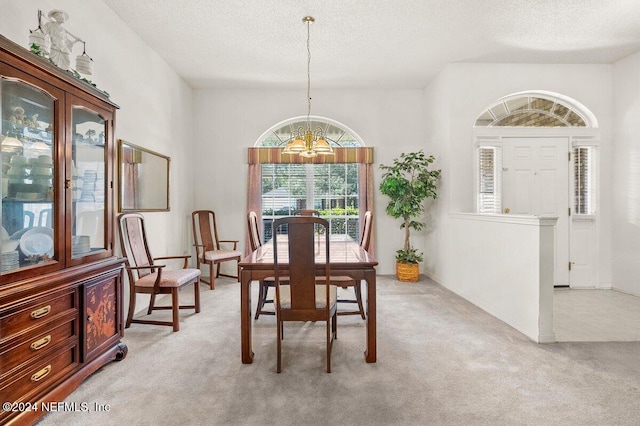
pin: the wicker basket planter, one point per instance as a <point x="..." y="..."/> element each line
<point x="408" y="272"/>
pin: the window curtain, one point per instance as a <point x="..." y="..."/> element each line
<point x="340" y="155"/>
<point x="130" y="160"/>
<point x="259" y="156"/>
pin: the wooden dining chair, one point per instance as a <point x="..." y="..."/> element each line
<point x="345" y="282"/>
<point x="306" y="212"/>
<point x="303" y="299"/>
<point x="254" y="231"/>
<point x="209" y="248"/>
<point x="148" y="277"/>
<point x="267" y="283"/>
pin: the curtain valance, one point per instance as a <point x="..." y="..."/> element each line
<point x="363" y="155"/>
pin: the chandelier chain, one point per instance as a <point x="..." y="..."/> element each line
<point x="308" y="74"/>
<point x="308" y="143"/>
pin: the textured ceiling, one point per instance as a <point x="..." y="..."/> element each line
<point x="373" y="43"/>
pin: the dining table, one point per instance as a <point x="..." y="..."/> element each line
<point x="346" y="258"/>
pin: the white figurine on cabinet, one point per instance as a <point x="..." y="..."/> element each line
<point x="61" y="40"/>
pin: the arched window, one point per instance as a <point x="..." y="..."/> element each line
<point x="536" y="109"/>
<point x="337" y="134"/>
<point x="339" y="186"/>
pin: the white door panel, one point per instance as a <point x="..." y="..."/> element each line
<point x="523" y="185"/>
<point x="548" y="152"/>
<point x="550" y="199"/>
<point x="582" y="254"/>
<point x="536" y="181"/>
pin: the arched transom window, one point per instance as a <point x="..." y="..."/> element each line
<point x="336" y="134"/>
<point x="536" y="109"/>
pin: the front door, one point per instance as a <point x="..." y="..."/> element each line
<point x="535" y="181"/>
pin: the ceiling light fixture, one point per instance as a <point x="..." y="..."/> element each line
<point x="308" y="143"/>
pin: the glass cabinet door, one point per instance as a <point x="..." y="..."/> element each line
<point x="27" y="150"/>
<point x="89" y="181"/>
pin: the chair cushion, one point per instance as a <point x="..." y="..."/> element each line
<point x="271" y="281"/>
<point x="340" y="281"/>
<point x="170" y="278"/>
<point x="321" y="297"/>
<point x="214" y="255"/>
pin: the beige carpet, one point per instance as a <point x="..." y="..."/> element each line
<point x="441" y="361"/>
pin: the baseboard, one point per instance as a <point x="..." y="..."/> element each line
<point x="626" y="292"/>
<point x="547" y="338"/>
<point x="433" y="278"/>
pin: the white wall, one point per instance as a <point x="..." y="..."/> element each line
<point x="228" y="121"/>
<point x="626" y="175"/>
<point x="505" y="266"/>
<point x="438" y="129"/>
<point x="155" y="103"/>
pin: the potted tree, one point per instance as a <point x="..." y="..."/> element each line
<point x="408" y="182"/>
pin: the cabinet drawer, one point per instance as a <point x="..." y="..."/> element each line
<point x="36" y="346"/>
<point x="30" y="380"/>
<point x="20" y="318"/>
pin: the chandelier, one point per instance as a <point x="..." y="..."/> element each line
<point x="308" y="143"/>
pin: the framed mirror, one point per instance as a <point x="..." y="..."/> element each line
<point x="144" y="179"/>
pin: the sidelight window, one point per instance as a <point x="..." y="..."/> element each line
<point x="489" y="185"/>
<point x="584" y="182"/>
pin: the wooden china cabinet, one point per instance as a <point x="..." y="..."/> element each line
<point x="60" y="280"/>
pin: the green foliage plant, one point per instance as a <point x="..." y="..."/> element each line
<point x="38" y="51"/>
<point x="408" y="182"/>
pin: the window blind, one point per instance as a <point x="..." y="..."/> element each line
<point x="489" y="193"/>
<point x="332" y="189"/>
<point x="583" y="180"/>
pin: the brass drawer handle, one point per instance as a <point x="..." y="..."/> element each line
<point x="41" y="374"/>
<point x="41" y="312"/>
<point x="41" y="343"/>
